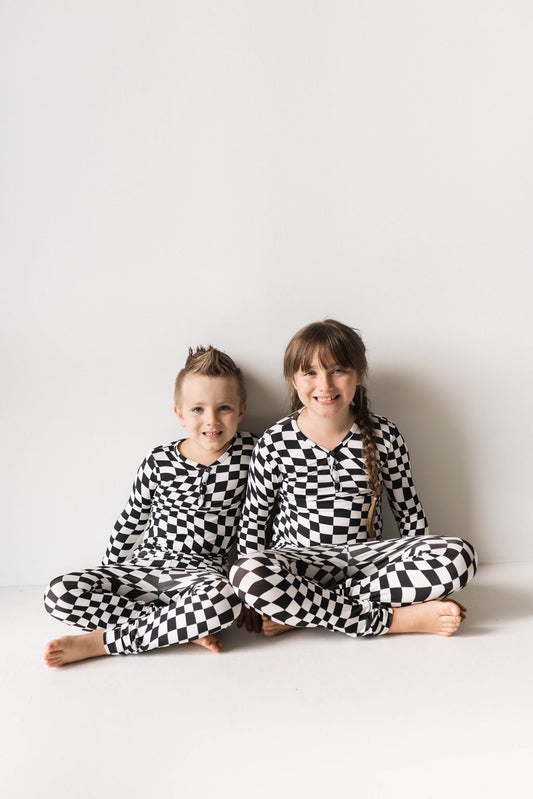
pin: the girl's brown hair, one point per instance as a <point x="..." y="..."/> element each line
<point x="209" y="362"/>
<point x="336" y="343"/>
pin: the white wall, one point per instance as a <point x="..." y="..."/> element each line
<point x="224" y="172"/>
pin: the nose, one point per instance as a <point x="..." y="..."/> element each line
<point x="210" y="417"/>
<point x="324" y="380"/>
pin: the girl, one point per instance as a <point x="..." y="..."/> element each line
<point x="321" y="472"/>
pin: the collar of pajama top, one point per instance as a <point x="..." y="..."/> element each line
<point x="345" y="470"/>
<point x="200" y="474"/>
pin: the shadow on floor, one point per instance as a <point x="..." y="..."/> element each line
<point x="492" y="604"/>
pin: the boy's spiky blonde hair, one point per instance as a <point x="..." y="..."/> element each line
<point x="209" y="362"/>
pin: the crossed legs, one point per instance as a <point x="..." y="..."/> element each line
<point x="362" y="589"/>
<point x="134" y="608"/>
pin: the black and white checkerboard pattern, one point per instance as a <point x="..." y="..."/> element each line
<point x="322" y="497"/>
<point x="352" y="589"/>
<point x="172" y="588"/>
<point x="143" y="607"/>
<point x="182" y="507"/>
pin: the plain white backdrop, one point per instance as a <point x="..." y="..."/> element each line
<point x="179" y="173"/>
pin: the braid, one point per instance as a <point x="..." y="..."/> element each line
<point x="364" y="422"/>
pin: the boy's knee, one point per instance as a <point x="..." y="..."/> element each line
<point x="227" y="592"/>
<point x="53" y="593"/>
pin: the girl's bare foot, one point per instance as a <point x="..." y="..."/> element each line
<point x="210" y="642"/>
<point x="71" y="648"/>
<point x="271" y="628"/>
<point x="440" y="617"/>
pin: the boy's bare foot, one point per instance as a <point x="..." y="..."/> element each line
<point x="440" y="617"/>
<point x="271" y="628"/>
<point x="71" y="648"/>
<point x="210" y="642"/>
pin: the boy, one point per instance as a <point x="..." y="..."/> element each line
<point x="186" y="501"/>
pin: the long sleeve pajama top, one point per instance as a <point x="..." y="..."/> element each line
<point x="186" y="514"/>
<point x="321" y="497"/>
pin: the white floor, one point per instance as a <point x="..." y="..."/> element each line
<point x="307" y="714"/>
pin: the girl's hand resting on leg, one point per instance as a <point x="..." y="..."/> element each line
<point x="251" y="620"/>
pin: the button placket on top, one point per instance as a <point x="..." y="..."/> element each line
<point x="204" y="477"/>
<point x="333" y="470"/>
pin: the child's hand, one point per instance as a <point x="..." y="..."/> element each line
<point x="251" y="620"/>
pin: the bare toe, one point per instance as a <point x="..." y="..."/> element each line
<point x="272" y="628"/>
<point x="209" y="642"/>
<point x="451" y="608"/>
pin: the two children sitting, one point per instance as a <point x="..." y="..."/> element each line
<point x="321" y="471"/>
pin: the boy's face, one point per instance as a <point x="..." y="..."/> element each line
<point x="210" y="410"/>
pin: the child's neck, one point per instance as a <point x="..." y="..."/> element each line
<point x="188" y="450"/>
<point x="327" y="433"/>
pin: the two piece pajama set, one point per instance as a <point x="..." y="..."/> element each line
<point x="319" y="568"/>
<point x="174" y="588"/>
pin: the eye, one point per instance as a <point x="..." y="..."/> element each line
<point x="309" y="373"/>
<point x="197" y="409"/>
<point x="339" y="371"/>
<point x="225" y="408"/>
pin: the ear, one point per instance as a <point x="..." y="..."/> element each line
<point x="242" y="411"/>
<point x="179" y="415"/>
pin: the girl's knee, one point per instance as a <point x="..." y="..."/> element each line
<point x="464" y="558"/>
<point x="238" y="572"/>
<point x="471" y="552"/>
<point x="249" y="569"/>
<point x="466" y="550"/>
<point x="460" y="546"/>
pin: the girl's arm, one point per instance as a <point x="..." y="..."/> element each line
<point x="132" y="522"/>
<point x="398" y="482"/>
<point x="264" y="481"/>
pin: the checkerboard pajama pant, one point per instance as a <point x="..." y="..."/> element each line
<point x="143" y="608"/>
<point x="352" y="589"/>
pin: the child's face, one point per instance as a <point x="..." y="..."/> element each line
<point x="210" y="410"/>
<point x="326" y="391"/>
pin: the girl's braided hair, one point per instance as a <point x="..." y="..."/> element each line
<point x="336" y="343"/>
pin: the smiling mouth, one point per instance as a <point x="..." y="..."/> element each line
<point x="214" y="434"/>
<point x="327" y="400"/>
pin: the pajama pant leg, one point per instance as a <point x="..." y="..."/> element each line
<point x="143" y="608"/>
<point x="352" y="589"/>
<point x="410" y="570"/>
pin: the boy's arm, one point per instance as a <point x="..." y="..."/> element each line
<point x="264" y="481"/>
<point x="132" y="522"/>
<point x="398" y="481"/>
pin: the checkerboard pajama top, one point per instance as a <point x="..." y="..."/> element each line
<point x="186" y="513"/>
<point x="320" y="570"/>
<point x="322" y="496"/>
